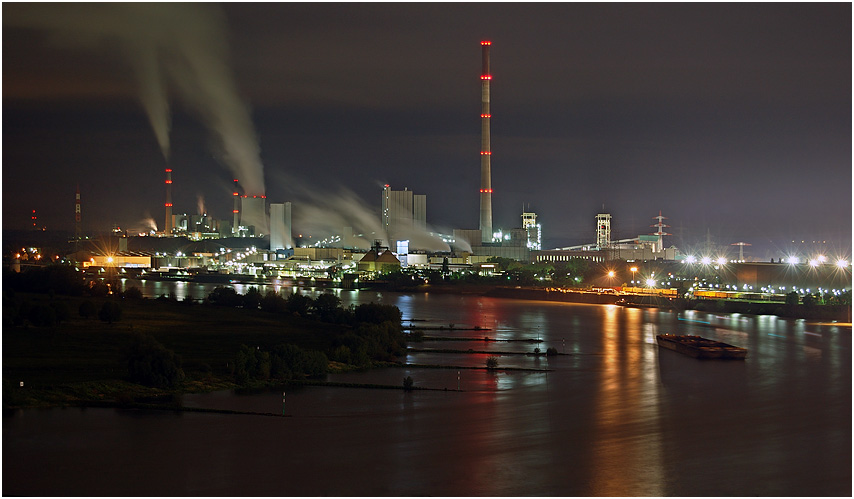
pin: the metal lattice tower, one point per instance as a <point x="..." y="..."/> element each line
<point x="660" y="233"/>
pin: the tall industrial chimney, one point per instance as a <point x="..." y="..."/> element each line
<point x="235" y="228"/>
<point x="485" y="150"/>
<point x="167" y="227"/>
<point x="78" y="218"/>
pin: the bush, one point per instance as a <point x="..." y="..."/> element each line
<point x="61" y="310"/>
<point x="152" y="364"/>
<point x="133" y="293"/>
<point x="110" y="312"/>
<point x="273" y="302"/>
<point x="252" y="298"/>
<point x="87" y="309"/>
<point x="41" y="315"/>
<point x="408" y="383"/>
<point x="225" y="296"/>
<point x="551" y="351"/>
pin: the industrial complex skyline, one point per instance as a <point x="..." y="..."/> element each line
<point x="734" y="120"/>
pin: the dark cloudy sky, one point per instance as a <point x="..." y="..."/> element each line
<point x="734" y="119"/>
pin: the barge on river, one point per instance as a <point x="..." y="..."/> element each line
<point x="699" y="347"/>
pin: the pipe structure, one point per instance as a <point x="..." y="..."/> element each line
<point x="485" y="149"/>
<point x="167" y="227"/>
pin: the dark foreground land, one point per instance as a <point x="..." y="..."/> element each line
<point x="85" y="359"/>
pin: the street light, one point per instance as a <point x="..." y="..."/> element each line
<point x="633" y="269"/>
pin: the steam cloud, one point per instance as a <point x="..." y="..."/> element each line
<point x="178" y="46"/>
<point x="322" y="215"/>
<point x="200" y="204"/>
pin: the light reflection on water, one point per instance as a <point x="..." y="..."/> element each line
<point x="615" y="417"/>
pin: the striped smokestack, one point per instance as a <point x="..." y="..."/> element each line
<point x="167" y="227"/>
<point x="485" y="149"/>
<point x="236" y="211"/>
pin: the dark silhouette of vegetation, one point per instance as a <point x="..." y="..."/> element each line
<point x="252" y="298"/>
<point x="60" y="308"/>
<point x="491" y="362"/>
<point x="132" y="293"/>
<point x="550" y="351"/>
<point x="284" y="362"/>
<point x="792" y="298"/>
<point x="152" y="364"/>
<point x="59" y="278"/>
<point x="110" y="312"/>
<point x="299" y="304"/>
<point x="41" y="315"/>
<point x="225" y="296"/>
<point x="408" y="383"/>
<point x="87" y="309"/>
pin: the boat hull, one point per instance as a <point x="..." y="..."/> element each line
<point x="700" y="348"/>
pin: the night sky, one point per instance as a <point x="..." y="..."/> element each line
<point x="733" y="120"/>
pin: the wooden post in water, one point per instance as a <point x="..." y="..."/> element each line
<point x="283" y="403"/>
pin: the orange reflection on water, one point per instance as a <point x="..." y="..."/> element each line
<point x="626" y="409"/>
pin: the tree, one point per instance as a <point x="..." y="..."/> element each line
<point x="225" y="296"/>
<point x="41" y="315"/>
<point x="792" y="298"/>
<point x="110" y="312"/>
<point x="61" y="310"/>
<point x="273" y="302"/>
<point x="87" y="309"/>
<point x="252" y="298"/>
<point x="408" y="383"/>
<point x="299" y="304"/>
<point x="152" y="364"/>
<point x="325" y="307"/>
<point x="133" y="293"/>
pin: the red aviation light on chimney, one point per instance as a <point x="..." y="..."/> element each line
<point x="485" y="77"/>
<point x="486" y="153"/>
<point x="235" y="211"/>
<point x="486" y="42"/>
<point x="168" y="170"/>
<point x="236" y="194"/>
<point x="486" y="191"/>
<point x="168" y="204"/>
<point x="486" y="116"/>
<point x="168" y="181"/>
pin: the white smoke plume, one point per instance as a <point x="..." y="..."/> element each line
<point x="180" y="46"/>
<point x="146" y="225"/>
<point x="322" y="215"/>
<point x="200" y="204"/>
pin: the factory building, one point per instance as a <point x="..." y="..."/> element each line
<point x="533" y="231"/>
<point x="403" y="213"/>
<point x="280" y="226"/>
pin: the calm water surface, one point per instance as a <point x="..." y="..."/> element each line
<point x="614" y="417"/>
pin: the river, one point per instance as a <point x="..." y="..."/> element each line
<point x="615" y="416"/>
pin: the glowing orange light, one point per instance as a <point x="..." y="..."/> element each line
<point x="486" y="42"/>
<point x="168" y="181"/>
<point x="236" y="194"/>
<point x="486" y="191"/>
<point x="235" y="211"/>
<point x="486" y="116"/>
<point x="168" y="204"/>
<point x="486" y="153"/>
<point x="485" y="77"/>
<point x="168" y="170"/>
